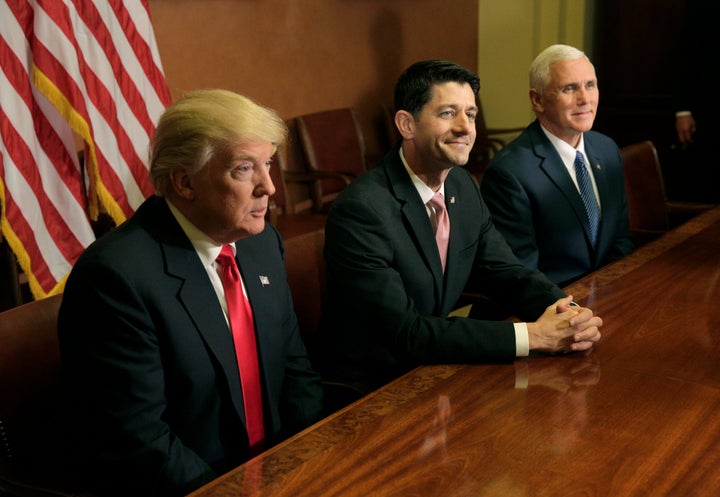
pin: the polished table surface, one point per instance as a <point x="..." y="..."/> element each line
<point x="637" y="416"/>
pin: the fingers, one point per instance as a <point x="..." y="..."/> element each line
<point x="581" y="346"/>
<point x="584" y="339"/>
<point x="587" y="330"/>
<point x="584" y="317"/>
<point x="565" y="328"/>
<point x="563" y="304"/>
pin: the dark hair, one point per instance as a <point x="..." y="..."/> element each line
<point x="414" y="87"/>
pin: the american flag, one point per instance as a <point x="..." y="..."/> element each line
<point x="73" y="72"/>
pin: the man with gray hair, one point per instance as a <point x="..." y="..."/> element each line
<point x="163" y="393"/>
<point x="557" y="192"/>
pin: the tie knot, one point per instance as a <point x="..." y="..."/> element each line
<point x="579" y="159"/>
<point x="437" y="201"/>
<point x="226" y="257"/>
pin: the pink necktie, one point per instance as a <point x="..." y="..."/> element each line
<point x="442" y="228"/>
<point x="243" y="331"/>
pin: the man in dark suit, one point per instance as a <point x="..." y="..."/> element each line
<point x="531" y="185"/>
<point x="151" y="368"/>
<point x="388" y="296"/>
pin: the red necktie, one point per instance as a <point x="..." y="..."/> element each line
<point x="442" y="228"/>
<point x="243" y="331"/>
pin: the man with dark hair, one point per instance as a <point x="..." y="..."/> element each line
<point x="398" y="259"/>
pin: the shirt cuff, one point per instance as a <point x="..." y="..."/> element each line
<point x="683" y="113"/>
<point x="522" y="340"/>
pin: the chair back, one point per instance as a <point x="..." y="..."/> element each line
<point x="306" y="278"/>
<point x="31" y="445"/>
<point x="645" y="188"/>
<point x="334" y="150"/>
<point x="281" y="207"/>
<point x="279" y="202"/>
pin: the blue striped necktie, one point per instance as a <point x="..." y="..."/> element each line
<point x="588" y="196"/>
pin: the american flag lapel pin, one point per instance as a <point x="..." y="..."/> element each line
<point x="452" y="200"/>
<point x="264" y="280"/>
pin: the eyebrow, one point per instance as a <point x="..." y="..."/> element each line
<point x="456" y="107"/>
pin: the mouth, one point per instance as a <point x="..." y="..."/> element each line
<point x="458" y="143"/>
<point x="259" y="212"/>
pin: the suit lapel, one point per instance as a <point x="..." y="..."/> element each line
<point x="417" y="218"/>
<point x="454" y="203"/>
<point x="196" y="294"/>
<point x="552" y="165"/>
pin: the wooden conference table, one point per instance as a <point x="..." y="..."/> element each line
<point x="638" y="416"/>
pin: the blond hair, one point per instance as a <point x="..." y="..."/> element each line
<point x="201" y="124"/>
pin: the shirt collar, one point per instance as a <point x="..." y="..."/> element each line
<point x="206" y="248"/>
<point x="566" y="152"/>
<point x="425" y="192"/>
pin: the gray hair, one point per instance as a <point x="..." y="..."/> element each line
<point x="540" y="67"/>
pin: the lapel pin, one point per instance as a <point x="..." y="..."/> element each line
<point x="452" y="200"/>
<point x="597" y="166"/>
<point x="264" y="280"/>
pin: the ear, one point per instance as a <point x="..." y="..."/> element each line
<point x="536" y="101"/>
<point x="182" y="184"/>
<point x="405" y="123"/>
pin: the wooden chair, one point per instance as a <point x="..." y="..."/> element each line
<point x="649" y="210"/>
<point x="333" y="147"/>
<point x="280" y="203"/>
<point x="282" y="212"/>
<point x="306" y="277"/>
<point x="32" y="441"/>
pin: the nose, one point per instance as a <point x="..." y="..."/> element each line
<point x="464" y="124"/>
<point x="265" y="185"/>
<point x="582" y="95"/>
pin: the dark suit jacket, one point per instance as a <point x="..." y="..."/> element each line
<point x="153" y="377"/>
<point x="538" y="209"/>
<point x="387" y="298"/>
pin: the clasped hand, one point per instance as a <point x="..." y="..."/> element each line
<point x="564" y="328"/>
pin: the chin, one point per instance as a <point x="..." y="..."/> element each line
<point x="250" y="229"/>
<point x="461" y="160"/>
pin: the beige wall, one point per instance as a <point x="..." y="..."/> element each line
<point x="300" y="56"/>
<point x="510" y="34"/>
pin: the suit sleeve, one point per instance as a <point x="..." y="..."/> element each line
<point x="377" y="282"/>
<point x="114" y="361"/>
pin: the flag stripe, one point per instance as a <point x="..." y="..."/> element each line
<point x="30" y="202"/>
<point x="110" y="144"/>
<point x="91" y="67"/>
<point x="140" y="34"/>
<point x="118" y="52"/>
